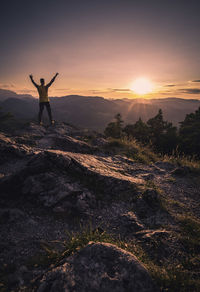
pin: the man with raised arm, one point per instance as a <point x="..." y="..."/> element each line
<point x="43" y="97"/>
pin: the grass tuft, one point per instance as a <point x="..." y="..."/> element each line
<point x="190" y="162"/>
<point x="130" y="149"/>
<point x="190" y="233"/>
<point x="175" y="277"/>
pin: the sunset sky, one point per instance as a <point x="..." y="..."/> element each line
<point x="100" y="47"/>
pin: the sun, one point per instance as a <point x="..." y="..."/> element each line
<point x="142" y="86"/>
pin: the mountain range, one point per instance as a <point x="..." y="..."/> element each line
<point x="96" y="112"/>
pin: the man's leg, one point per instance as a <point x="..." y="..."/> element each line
<point x="41" y="108"/>
<point x="49" y="112"/>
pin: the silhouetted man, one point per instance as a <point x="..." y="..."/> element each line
<point x="43" y="97"/>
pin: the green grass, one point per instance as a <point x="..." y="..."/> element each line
<point x="156" y="202"/>
<point x="75" y="241"/>
<point x="150" y="184"/>
<point x="170" y="180"/>
<point x="173" y="277"/>
<point x="182" y="275"/>
<point x="130" y="149"/>
<point x="43" y="258"/>
<point x="78" y="240"/>
<point x="144" y="154"/>
<point x="190" y="233"/>
<point x="5" y="271"/>
<point x="190" y="162"/>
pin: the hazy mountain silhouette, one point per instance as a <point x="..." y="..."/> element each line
<point x="95" y="112"/>
<point x="5" y="94"/>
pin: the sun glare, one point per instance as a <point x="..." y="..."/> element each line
<point x="142" y="86"/>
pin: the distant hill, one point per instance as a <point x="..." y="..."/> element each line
<point x="20" y="108"/>
<point x="95" y="112"/>
<point x="174" y="109"/>
<point x="5" y="94"/>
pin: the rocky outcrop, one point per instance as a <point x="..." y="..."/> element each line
<point x="66" y="143"/>
<point x="53" y="184"/>
<point x="45" y="179"/>
<point x="129" y="223"/>
<point x="99" y="267"/>
<point x="10" y="150"/>
<point x="56" y="176"/>
<point x="10" y="215"/>
<point x="58" y="137"/>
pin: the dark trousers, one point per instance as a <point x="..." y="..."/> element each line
<point x="48" y="107"/>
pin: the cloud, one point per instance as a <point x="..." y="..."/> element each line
<point x="196" y="80"/>
<point x="7" y="86"/>
<point x="169" y="85"/>
<point x="119" y="89"/>
<point x="63" y="89"/>
<point x="190" y="90"/>
<point x="109" y="90"/>
<point x="26" y="91"/>
<point x="96" y="91"/>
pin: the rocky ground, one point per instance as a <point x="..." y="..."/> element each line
<point x="75" y="218"/>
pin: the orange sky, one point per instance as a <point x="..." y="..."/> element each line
<point x="89" y="86"/>
<point x="101" y="47"/>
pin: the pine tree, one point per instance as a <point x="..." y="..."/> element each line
<point x="114" y="129"/>
<point x="139" y="131"/>
<point x="163" y="135"/>
<point x="4" y="117"/>
<point x="190" y="133"/>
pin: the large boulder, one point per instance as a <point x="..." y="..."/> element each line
<point x="129" y="223"/>
<point x="31" y="129"/>
<point x="99" y="267"/>
<point x="45" y="179"/>
<point x="11" y="150"/>
<point x="50" y="173"/>
<point x="65" y="143"/>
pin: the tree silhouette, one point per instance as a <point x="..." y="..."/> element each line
<point x="139" y="131"/>
<point x="190" y="133"/>
<point x="114" y="129"/>
<point x="163" y="135"/>
<point x="4" y="117"/>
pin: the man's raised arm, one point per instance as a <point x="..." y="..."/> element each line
<point x="52" y="80"/>
<point x="31" y="77"/>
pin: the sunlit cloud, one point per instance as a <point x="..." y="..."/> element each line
<point x="98" y="91"/>
<point x="7" y="86"/>
<point x="189" y="90"/>
<point x="170" y="85"/>
<point x="62" y="89"/>
<point x="26" y="91"/>
<point x="119" y="90"/>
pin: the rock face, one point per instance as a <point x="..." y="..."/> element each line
<point x="54" y="176"/>
<point x="104" y="267"/>
<point x="46" y="179"/>
<point x="56" y="137"/>
<point x="11" y="150"/>
<point x="129" y="223"/>
<point x="53" y="183"/>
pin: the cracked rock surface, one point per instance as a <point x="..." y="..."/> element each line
<point x="53" y="182"/>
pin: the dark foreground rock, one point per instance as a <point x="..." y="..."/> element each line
<point x="10" y="150"/>
<point x="99" y="267"/>
<point x="58" y="178"/>
<point x="59" y="136"/>
<point x="55" y="187"/>
<point x="65" y="143"/>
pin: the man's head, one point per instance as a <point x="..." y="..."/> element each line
<point x="42" y="81"/>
